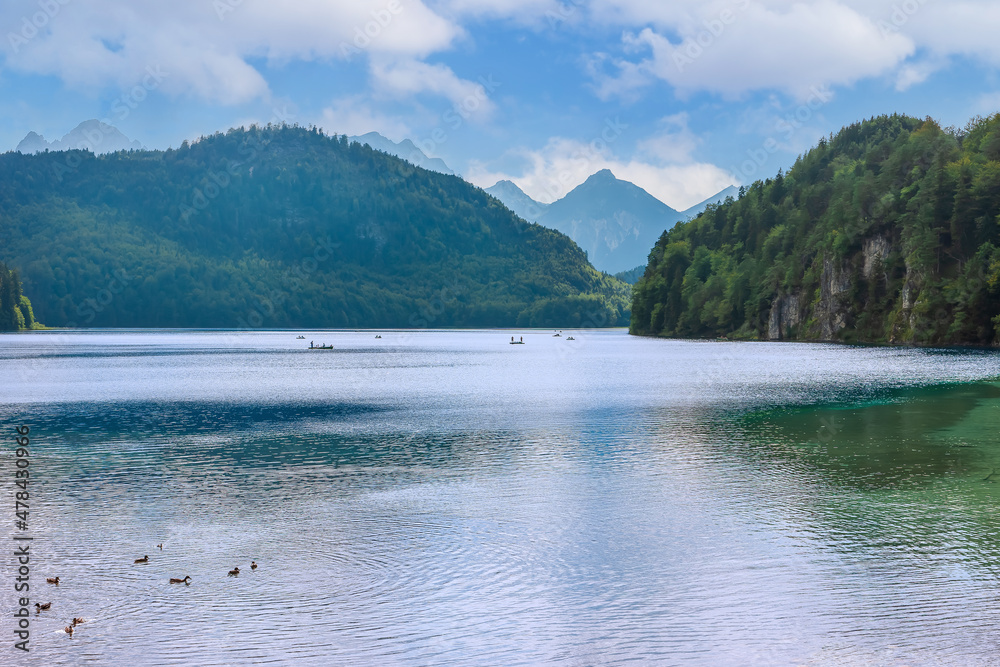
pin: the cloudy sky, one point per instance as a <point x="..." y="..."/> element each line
<point x="682" y="97"/>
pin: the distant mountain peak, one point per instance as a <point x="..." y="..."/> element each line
<point x="405" y="150"/>
<point x="603" y="175"/>
<point x="516" y="200"/>
<point x="718" y="198"/>
<point x="91" y="135"/>
<point x="32" y="143"/>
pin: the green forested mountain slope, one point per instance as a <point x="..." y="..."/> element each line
<point x="887" y="232"/>
<point x="282" y="227"/>
<point x="15" y="308"/>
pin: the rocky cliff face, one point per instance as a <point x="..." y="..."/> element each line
<point x="883" y="233"/>
<point x="833" y="311"/>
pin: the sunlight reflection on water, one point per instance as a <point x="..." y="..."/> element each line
<point x="445" y="498"/>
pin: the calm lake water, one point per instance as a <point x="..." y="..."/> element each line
<point x="445" y="498"/>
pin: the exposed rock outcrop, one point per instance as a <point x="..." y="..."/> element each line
<point x="786" y="313"/>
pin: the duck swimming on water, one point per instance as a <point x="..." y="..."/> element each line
<point x="51" y="580"/>
<point x="144" y="559"/>
<point x="234" y="572"/>
<point x="180" y="581"/>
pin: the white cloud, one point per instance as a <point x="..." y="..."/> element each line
<point x="913" y="74"/>
<point x="967" y="28"/>
<point x="674" y="144"/>
<point x="471" y="99"/>
<point x="663" y="167"/>
<point x="207" y="46"/>
<point x="988" y="104"/>
<point x="520" y="11"/>
<point x="777" y="45"/>
<point x="354" y="116"/>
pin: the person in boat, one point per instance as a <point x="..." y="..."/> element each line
<point x="522" y="339"/>
<point x="512" y="339"/>
<point x="310" y="345"/>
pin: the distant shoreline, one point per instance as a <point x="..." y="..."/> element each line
<point x="858" y="343"/>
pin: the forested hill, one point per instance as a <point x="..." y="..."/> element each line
<point x="887" y="232"/>
<point x="15" y="308"/>
<point x="282" y="227"/>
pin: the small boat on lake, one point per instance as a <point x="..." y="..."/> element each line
<point x="300" y="338"/>
<point x="324" y="346"/>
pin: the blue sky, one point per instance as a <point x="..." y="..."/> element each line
<point x="683" y="98"/>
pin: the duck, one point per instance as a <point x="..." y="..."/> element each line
<point x="52" y="580"/>
<point x="233" y="572"/>
<point x="42" y="607"/>
<point x="144" y="559"/>
<point x="180" y="581"/>
<point x="160" y="546"/>
<point x="76" y="622"/>
<point x="68" y="630"/>
<point x="253" y="565"/>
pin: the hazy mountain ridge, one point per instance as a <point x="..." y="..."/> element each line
<point x="405" y="150"/>
<point x="616" y="222"/>
<point x="90" y="135"/>
<point x="283" y="227"/>
<point x="516" y="200"/>
<point x="718" y="198"/>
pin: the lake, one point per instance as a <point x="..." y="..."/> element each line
<point x="445" y="498"/>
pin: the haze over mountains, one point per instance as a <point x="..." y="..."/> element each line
<point x="90" y="135"/>
<point x="283" y="227"/>
<point x="616" y="222"/>
<point x="404" y="149"/>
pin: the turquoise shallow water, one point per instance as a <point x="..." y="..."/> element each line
<point x="446" y="498"/>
